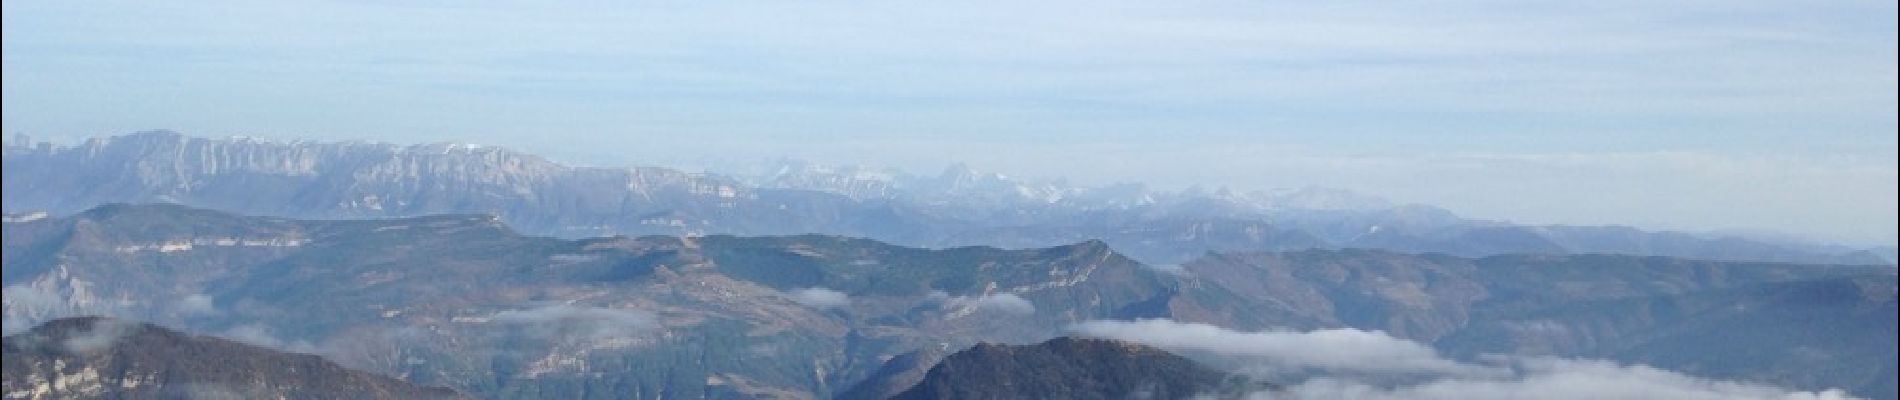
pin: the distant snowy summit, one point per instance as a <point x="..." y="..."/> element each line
<point x="960" y="184"/>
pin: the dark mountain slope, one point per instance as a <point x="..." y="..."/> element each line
<point x="1073" y="368"/>
<point x="100" y="358"/>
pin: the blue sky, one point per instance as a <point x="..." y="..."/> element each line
<point x="1689" y="115"/>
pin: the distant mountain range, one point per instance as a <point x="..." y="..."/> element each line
<point x="103" y="358"/>
<point x="960" y="207"/>
<point x="1820" y="326"/>
<point x="463" y="301"/>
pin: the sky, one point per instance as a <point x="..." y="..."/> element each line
<point x="1698" y="115"/>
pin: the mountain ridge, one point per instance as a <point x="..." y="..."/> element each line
<point x="330" y="180"/>
<point x="431" y="298"/>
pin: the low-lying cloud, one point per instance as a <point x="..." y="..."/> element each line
<point x="197" y="304"/>
<point x="1559" y="379"/>
<point x="1171" y="269"/>
<point x="820" y="298"/>
<point x="28" y="298"/>
<point x="1008" y="303"/>
<point x="590" y="323"/>
<point x="1356" y="362"/>
<point x="11" y="325"/>
<point x="1344" y="349"/>
<point x="209" y="391"/>
<point x="103" y="334"/>
<point x="258" y="334"/>
<point x="26" y="306"/>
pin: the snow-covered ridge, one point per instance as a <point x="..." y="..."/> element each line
<point x="189" y="244"/>
<point x="962" y="186"/>
<point x="27" y="217"/>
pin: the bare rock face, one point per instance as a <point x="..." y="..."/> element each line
<point x="103" y="358"/>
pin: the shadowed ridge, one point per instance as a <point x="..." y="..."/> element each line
<point x="1074" y="368"/>
<point x="96" y="357"/>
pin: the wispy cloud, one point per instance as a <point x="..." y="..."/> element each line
<point x="821" y="298"/>
<point x="196" y="304"/>
<point x="1008" y="303"/>
<point x="261" y="335"/>
<point x="28" y="305"/>
<point x="211" y="391"/>
<point x="1330" y="349"/>
<point x="571" y="322"/>
<point x="101" y="335"/>
<point x="1558" y="379"/>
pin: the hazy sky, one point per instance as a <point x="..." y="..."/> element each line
<point x="1777" y="115"/>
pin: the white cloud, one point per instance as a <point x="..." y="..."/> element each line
<point x="564" y="321"/>
<point x="1843" y="198"/>
<point x="1558" y="379"/>
<point x="258" y="334"/>
<point x="209" y="391"/>
<point x="103" y="334"/>
<point x="1008" y="303"/>
<point x="197" y="304"/>
<point x="821" y="298"/>
<point x="28" y="305"/>
<point x="1359" y="364"/>
<point x="27" y="298"/>
<point x="1330" y="349"/>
